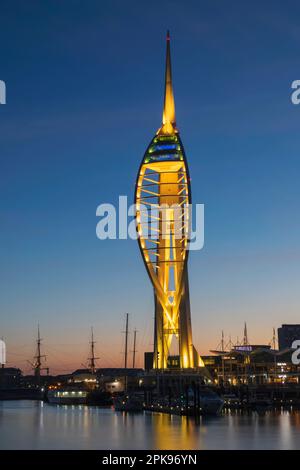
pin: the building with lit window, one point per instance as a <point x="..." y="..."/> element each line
<point x="287" y="334"/>
<point x="252" y="365"/>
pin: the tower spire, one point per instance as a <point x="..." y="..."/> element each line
<point x="164" y="165"/>
<point x="245" y="335"/>
<point x="169" y="119"/>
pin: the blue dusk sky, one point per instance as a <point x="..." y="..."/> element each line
<point x="84" y="97"/>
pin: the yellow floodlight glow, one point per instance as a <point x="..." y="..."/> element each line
<point x="163" y="182"/>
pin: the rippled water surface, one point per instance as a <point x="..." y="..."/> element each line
<point x="36" y="425"/>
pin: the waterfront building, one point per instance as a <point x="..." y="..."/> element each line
<point x="10" y="377"/>
<point x="287" y="334"/>
<point x="252" y="365"/>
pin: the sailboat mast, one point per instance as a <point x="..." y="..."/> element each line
<point x="37" y="365"/>
<point x="134" y="349"/>
<point x="92" y="359"/>
<point x="126" y="342"/>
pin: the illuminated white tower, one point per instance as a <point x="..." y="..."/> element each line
<point x="163" y="181"/>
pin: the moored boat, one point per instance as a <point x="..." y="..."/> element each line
<point x="67" y="396"/>
<point x="210" y="403"/>
<point x="128" y="402"/>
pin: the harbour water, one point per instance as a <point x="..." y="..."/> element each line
<point x="37" y="425"/>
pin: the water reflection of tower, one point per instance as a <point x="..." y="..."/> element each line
<point x="169" y="428"/>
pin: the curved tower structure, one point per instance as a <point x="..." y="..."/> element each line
<point x="162" y="196"/>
